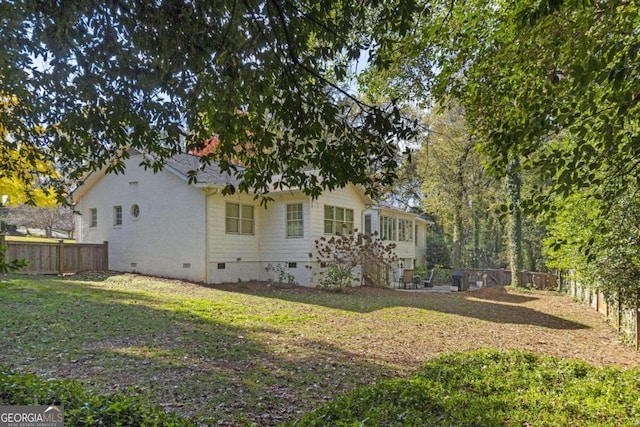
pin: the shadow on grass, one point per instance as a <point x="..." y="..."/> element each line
<point x="214" y="366"/>
<point x="492" y="305"/>
<point x="500" y="295"/>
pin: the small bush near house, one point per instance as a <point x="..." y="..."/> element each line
<point x="342" y="253"/>
<point x="490" y="388"/>
<point x="82" y="408"/>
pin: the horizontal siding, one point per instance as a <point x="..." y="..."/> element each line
<point x="343" y="198"/>
<point x="275" y="246"/>
<point x="223" y="247"/>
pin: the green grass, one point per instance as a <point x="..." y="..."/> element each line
<point x="213" y="354"/>
<point x="243" y="354"/>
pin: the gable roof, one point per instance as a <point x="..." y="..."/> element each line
<point x="208" y="176"/>
<point x="179" y="165"/>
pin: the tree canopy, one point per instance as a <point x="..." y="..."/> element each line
<point x="24" y="172"/>
<point x="530" y="76"/>
<point x="548" y="86"/>
<point x="269" y="78"/>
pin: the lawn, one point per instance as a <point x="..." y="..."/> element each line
<point x="244" y="353"/>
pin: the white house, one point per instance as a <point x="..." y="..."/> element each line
<point x="159" y="224"/>
<point x="407" y="230"/>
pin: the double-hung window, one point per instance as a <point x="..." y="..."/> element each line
<point x="239" y="219"/>
<point x="117" y="216"/>
<point x="93" y="217"/>
<point x="295" y="224"/>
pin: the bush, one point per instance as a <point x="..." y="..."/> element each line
<point x="82" y="408"/>
<point x="342" y="253"/>
<point x="490" y="388"/>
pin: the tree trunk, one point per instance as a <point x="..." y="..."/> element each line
<point x="476" y="239"/>
<point x="513" y="184"/>
<point x="457" y="240"/>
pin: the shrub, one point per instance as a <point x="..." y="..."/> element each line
<point x="490" y="388"/>
<point x="336" y="278"/>
<point x="282" y="275"/>
<point x="82" y="408"/>
<point x="343" y="253"/>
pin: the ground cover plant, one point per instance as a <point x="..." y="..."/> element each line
<point x="83" y="408"/>
<point x="251" y="353"/>
<point x="490" y="388"/>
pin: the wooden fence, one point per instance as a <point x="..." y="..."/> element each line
<point x="499" y="277"/>
<point x="626" y="319"/>
<point x="58" y="257"/>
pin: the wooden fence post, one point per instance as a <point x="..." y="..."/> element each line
<point x="3" y="240"/>
<point x="637" y="340"/>
<point x="60" y="257"/>
<point x="106" y="254"/>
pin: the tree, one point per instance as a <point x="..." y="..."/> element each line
<point x="513" y="184"/>
<point x="45" y="218"/>
<point x="525" y="74"/>
<point x="457" y="189"/>
<point x="93" y="79"/>
<point x="342" y="253"/>
<point x="25" y="172"/>
<point x="600" y="241"/>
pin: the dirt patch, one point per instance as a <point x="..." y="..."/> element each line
<point x="539" y="321"/>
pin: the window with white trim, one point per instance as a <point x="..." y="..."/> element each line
<point x="295" y="224"/>
<point x="367" y="224"/>
<point x="387" y="228"/>
<point x="93" y="217"/>
<point x="405" y="230"/>
<point x="239" y="219"/>
<point x="117" y="216"/>
<point x="338" y="220"/>
<point x="135" y="211"/>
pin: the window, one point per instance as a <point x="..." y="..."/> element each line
<point x="387" y="228"/>
<point x="338" y="220"/>
<point x="239" y="219"/>
<point x="294" y="220"/>
<point x="134" y="211"/>
<point x="367" y="224"/>
<point x="292" y="265"/>
<point x="405" y="230"/>
<point x="117" y="215"/>
<point x="93" y="217"/>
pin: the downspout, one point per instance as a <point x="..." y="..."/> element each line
<point x="208" y="193"/>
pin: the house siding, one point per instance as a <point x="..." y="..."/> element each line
<point x="347" y="198"/>
<point x="165" y="240"/>
<point x="421" y="244"/>
<point x="231" y="257"/>
<point x="278" y="250"/>
<point x="410" y="253"/>
<point x="181" y="229"/>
